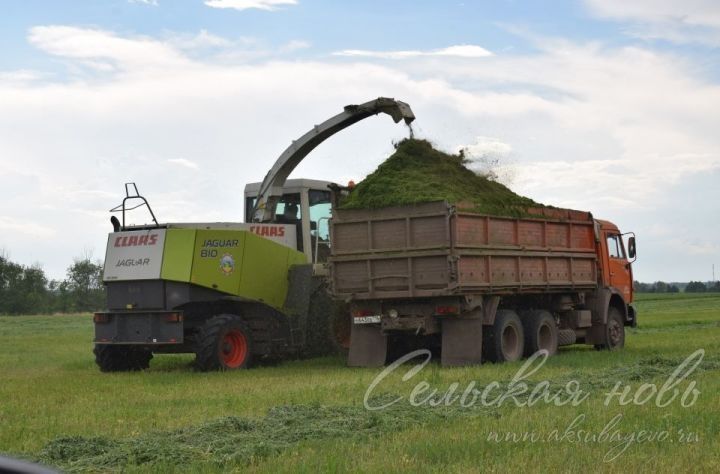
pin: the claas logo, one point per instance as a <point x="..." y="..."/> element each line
<point x="136" y="240"/>
<point x="268" y="231"/>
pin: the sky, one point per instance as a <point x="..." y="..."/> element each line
<point x="607" y="106"/>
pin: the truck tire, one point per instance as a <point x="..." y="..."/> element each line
<point x="540" y="330"/>
<point x="504" y="341"/>
<point x="112" y="358"/>
<point x="224" y="342"/>
<point x="614" y="332"/>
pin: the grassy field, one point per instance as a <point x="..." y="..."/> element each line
<point x="55" y="406"/>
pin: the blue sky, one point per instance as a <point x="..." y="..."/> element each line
<point x="601" y="105"/>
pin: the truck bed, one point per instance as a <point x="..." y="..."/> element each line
<point x="439" y="249"/>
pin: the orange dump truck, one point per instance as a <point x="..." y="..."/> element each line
<point x="476" y="287"/>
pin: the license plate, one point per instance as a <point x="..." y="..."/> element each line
<point x="367" y="319"/>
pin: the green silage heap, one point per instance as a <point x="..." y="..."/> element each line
<point x="418" y="173"/>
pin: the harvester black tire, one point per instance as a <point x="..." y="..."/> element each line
<point x="318" y="338"/>
<point x="504" y="341"/>
<point x="614" y="332"/>
<point x="224" y="342"/>
<point x="540" y="330"/>
<point x="340" y="327"/>
<point x="112" y="358"/>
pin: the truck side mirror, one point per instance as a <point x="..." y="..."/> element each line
<point x="631" y="247"/>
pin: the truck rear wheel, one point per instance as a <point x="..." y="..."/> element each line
<point x="223" y="343"/>
<point x="504" y="341"/>
<point x="614" y="331"/>
<point x="112" y="358"/>
<point x="540" y="332"/>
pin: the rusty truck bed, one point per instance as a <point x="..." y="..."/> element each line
<point x="437" y="249"/>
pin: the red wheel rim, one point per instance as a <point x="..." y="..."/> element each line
<point x="234" y="349"/>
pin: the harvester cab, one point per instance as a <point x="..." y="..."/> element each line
<point x="305" y="204"/>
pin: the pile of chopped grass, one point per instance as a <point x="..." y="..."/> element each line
<point x="418" y="173"/>
<point x="235" y="441"/>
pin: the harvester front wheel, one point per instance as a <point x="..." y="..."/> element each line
<point x="116" y="358"/>
<point x="223" y="343"/>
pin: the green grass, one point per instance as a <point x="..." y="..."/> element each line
<point x="308" y="415"/>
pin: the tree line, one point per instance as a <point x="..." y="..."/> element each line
<point x="691" y="287"/>
<point x="27" y="290"/>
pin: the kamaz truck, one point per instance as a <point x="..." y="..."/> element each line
<point x="478" y="287"/>
<point x="231" y="293"/>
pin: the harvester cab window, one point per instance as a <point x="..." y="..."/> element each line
<point x="288" y="209"/>
<point x="320" y="224"/>
<point x="615" y="248"/>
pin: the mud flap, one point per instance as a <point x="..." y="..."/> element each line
<point x="461" y="342"/>
<point x="368" y="346"/>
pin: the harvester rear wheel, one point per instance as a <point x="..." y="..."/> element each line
<point x="541" y="332"/>
<point x="223" y="343"/>
<point x="504" y="341"/>
<point x="112" y="358"/>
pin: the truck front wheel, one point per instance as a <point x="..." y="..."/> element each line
<point x="505" y="340"/>
<point x="224" y="343"/>
<point x="614" y="331"/>
<point x="117" y="358"/>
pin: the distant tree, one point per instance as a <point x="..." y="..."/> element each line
<point x="83" y="289"/>
<point x="22" y="289"/>
<point x="695" y="287"/>
<point x="10" y="277"/>
<point x="661" y="287"/>
<point x="33" y="287"/>
<point x="673" y="289"/>
<point x="715" y="287"/>
<point x="641" y="287"/>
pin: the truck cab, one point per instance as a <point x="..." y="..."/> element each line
<point x="616" y="253"/>
<point x="306" y="204"/>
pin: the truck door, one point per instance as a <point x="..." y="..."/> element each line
<point x="618" y="267"/>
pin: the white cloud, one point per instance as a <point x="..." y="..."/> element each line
<point x="294" y="45"/>
<point x="145" y="2"/>
<point x="21" y="75"/>
<point x="682" y="22"/>
<point x="203" y="39"/>
<point x="183" y="162"/>
<point x="96" y="45"/>
<point x="585" y="125"/>
<point x="459" y="51"/>
<point x="248" y="4"/>
<point x="691" y="12"/>
<point x="25" y="228"/>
